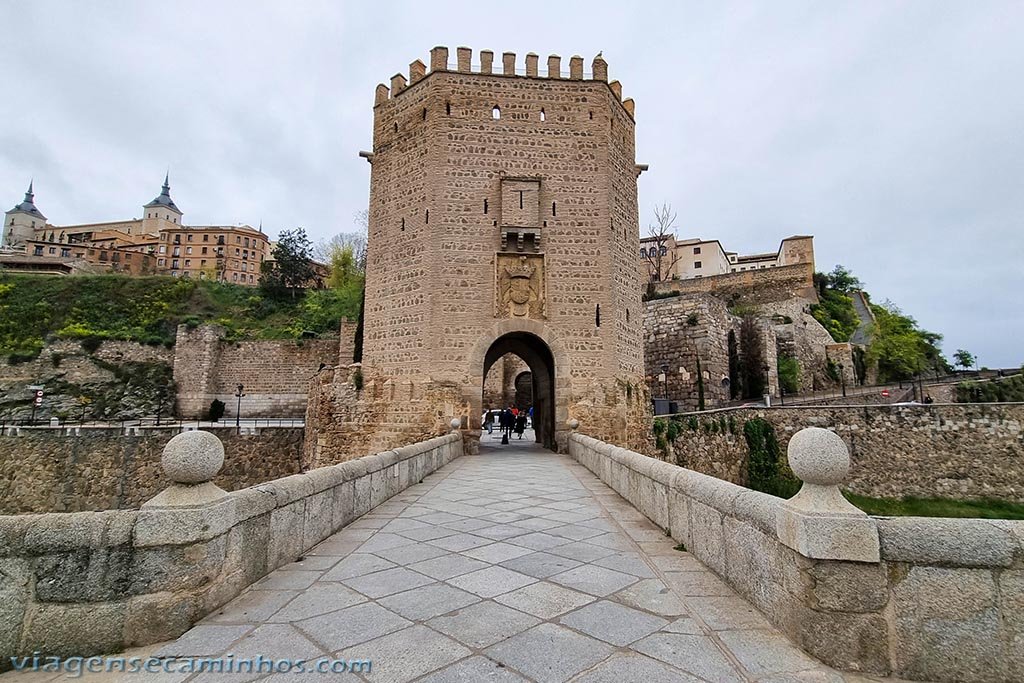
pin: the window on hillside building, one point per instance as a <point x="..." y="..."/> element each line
<point x="696" y="264"/>
<point x="696" y="250"/>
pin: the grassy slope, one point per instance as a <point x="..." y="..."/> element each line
<point x="148" y="310"/>
<point x="937" y="507"/>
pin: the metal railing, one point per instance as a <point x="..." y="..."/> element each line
<point x="77" y="428"/>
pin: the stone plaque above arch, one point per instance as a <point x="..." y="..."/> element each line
<point x="520" y="286"/>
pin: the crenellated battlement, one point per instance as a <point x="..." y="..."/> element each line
<point x="440" y="61"/>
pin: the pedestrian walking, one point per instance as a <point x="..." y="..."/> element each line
<point x="521" y="424"/>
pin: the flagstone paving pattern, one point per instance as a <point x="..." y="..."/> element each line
<point x="517" y="565"/>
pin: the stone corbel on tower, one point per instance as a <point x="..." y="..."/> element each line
<point x="417" y="71"/>
<point x="439" y="58"/>
<point x="554" y="66"/>
<point x="397" y="84"/>
<point x="600" y="69"/>
<point x="531" y="64"/>
<point x="576" y="68"/>
<point x="464" y="55"/>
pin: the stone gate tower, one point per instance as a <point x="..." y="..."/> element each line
<point x="503" y="218"/>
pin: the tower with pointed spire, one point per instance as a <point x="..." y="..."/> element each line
<point x="161" y="213"/>
<point x="21" y="222"/>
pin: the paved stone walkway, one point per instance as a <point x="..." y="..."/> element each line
<point x="517" y="565"/>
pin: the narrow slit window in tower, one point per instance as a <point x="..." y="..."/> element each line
<point x="424" y="113"/>
<point x="485" y="206"/>
<point x="448" y="108"/>
<point x="597" y="315"/>
<point x="520" y="199"/>
<point x="403" y="225"/>
<point x="543" y="117"/>
<point x="496" y="112"/>
<point x="427" y="217"/>
<point x="554" y="209"/>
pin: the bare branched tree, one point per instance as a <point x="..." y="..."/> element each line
<point x="325" y="249"/>
<point x="661" y="259"/>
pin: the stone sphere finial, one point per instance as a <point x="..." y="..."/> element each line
<point x="574" y="424"/>
<point x="819" y="456"/>
<point x="192" y="457"/>
<point x="455" y="424"/>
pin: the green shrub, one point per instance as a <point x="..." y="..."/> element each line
<point x="674" y="430"/>
<point x="692" y="423"/>
<point x="1005" y="390"/>
<point x="765" y="470"/>
<point x="55" y="359"/>
<point x="692" y="320"/>
<point x="19" y="357"/>
<point x="91" y="343"/>
<point x="789" y="374"/>
<point x="216" y="411"/>
<point x="659" y="426"/>
<point x="831" y="370"/>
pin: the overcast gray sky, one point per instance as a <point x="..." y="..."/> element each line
<point x="891" y="131"/>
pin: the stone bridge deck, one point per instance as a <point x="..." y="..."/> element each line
<point x="518" y="565"/>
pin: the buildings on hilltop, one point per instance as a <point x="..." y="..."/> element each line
<point x="158" y="243"/>
<point x="663" y="257"/>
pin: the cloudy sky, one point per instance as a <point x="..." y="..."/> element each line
<point x="891" y="131"/>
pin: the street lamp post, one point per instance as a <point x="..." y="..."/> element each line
<point x="842" y="379"/>
<point x="238" y="409"/>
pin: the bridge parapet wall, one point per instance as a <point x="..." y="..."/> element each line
<point x="89" y="583"/>
<point x="943" y="602"/>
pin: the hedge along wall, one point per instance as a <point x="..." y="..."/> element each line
<point x="962" y="451"/>
<point x="945" y="603"/>
<point x="98" y="582"/>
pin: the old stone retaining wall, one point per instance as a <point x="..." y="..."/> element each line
<point x="752" y="286"/>
<point x="98" y="582"/>
<point x="275" y="374"/>
<point x="42" y="470"/>
<point x="962" y="451"/>
<point x="944" y="603"/>
<point x="119" y="380"/>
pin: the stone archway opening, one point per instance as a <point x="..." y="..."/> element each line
<point x="540" y="378"/>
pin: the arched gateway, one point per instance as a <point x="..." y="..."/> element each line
<point x="492" y="235"/>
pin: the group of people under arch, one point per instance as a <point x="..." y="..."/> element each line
<point x="510" y="420"/>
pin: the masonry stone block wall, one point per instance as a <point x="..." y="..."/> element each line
<point x="45" y="470"/>
<point x="678" y="331"/>
<point x="275" y="374"/>
<point x="962" y="451"/>
<point x="90" y="583"/>
<point x="354" y="415"/>
<point x="944" y="603"/>
<point x="753" y="286"/>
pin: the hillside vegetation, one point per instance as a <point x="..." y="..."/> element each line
<point x="148" y="310"/>
<point x="899" y="347"/>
